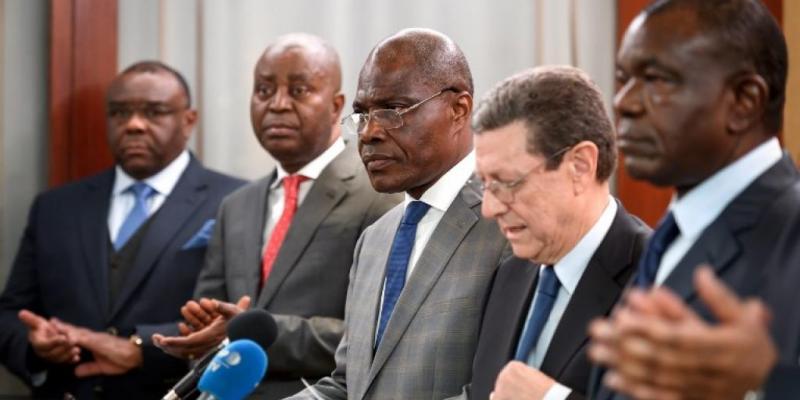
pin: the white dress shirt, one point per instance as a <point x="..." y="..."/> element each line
<point x="122" y="200"/>
<point x="569" y="270"/>
<point x="439" y="197"/>
<point x="698" y="208"/>
<point x="312" y="171"/>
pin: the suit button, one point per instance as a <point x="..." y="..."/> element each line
<point x="98" y="389"/>
<point x="112" y="331"/>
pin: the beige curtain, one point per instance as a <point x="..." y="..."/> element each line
<point x="217" y="42"/>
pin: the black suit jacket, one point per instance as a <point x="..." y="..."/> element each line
<point x="752" y="248"/>
<point x="61" y="270"/>
<point x="598" y="289"/>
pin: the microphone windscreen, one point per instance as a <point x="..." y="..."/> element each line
<point x="235" y="371"/>
<point x="256" y="325"/>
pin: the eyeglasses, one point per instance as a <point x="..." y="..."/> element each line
<point x="386" y="118"/>
<point x="121" y="112"/>
<point x="504" y="191"/>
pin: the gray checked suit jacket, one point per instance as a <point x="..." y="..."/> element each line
<point x="307" y="287"/>
<point x="427" y="350"/>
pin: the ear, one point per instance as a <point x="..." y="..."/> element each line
<point x="750" y="93"/>
<point x="189" y="122"/>
<point x="338" y="105"/>
<point x="581" y="162"/>
<point x="461" y="108"/>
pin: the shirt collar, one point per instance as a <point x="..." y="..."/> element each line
<point x="163" y="182"/>
<point x="314" y="168"/>
<point x="445" y="190"/>
<point x="569" y="268"/>
<point x="699" y="207"/>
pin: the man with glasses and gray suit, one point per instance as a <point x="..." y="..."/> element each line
<point x="422" y="272"/>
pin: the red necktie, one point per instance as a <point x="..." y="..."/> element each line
<point x="291" y="184"/>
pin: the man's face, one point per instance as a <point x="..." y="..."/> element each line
<point x="535" y="221"/>
<point x="295" y="106"/>
<point x="148" y="121"/>
<point x="672" y="102"/>
<point x="412" y="157"/>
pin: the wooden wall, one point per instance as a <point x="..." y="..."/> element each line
<point x="83" y="60"/>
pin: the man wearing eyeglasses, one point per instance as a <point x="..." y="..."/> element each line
<point x="107" y="261"/>
<point x="545" y="151"/>
<point x="286" y="241"/>
<point x="422" y="272"/>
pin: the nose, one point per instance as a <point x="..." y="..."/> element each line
<point x="136" y="123"/>
<point x="280" y="101"/>
<point x="371" y="133"/>
<point x="628" y="100"/>
<point x="491" y="207"/>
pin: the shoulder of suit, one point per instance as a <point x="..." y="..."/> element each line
<point x="220" y="178"/>
<point x="248" y="190"/>
<point x="101" y="180"/>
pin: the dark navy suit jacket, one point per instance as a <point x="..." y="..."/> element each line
<point x="752" y="247"/>
<point x="61" y="270"/>
<point x="599" y="288"/>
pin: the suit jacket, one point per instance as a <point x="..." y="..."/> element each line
<point x="427" y="348"/>
<point x="62" y="266"/>
<point x="598" y="290"/>
<point x="307" y="287"/>
<point x="747" y="245"/>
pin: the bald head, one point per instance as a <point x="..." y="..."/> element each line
<point x="315" y="48"/>
<point x="297" y="99"/>
<point x="431" y="58"/>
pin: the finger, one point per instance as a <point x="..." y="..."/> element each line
<point x="184" y="329"/>
<point x="754" y="312"/>
<point x="640" y="301"/>
<point x="71" y="332"/>
<point x="228" y="310"/>
<point x="209" y="306"/>
<point x="88" y="369"/>
<point x="670" y="305"/>
<point x="243" y="303"/>
<point x="64" y="354"/>
<point x="31" y="320"/>
<point x="196" y="315"/>
<point x="204" y="338"/>
<point x="722" y="302"/>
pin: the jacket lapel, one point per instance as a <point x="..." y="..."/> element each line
<point x="325" y="193"/>
<point x="188" y="194"/>
<point x="371" y="274"/>
<point x="597" y="292"/>
<point x="719" y="245"/>
<point x="252" y="218"/>
<point x="93" y="230"/>
<point x="448" y="235"/>
<point x="516" y="296"/>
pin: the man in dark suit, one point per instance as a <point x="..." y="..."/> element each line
<point x="545" y="171"/>
<point x="105" y="262"/>
<point x="301" y="278"/>
<point x="421" y="273"/>
<point x="699" y="110"/>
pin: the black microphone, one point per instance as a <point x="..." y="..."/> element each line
<point x="256" y="325"/>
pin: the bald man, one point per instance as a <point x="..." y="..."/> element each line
<point x="422" y="272"/>
<point x="285" y="243"/>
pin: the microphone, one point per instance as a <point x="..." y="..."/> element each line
<point x="256" y="325"/>
<point x="234" y="372"/>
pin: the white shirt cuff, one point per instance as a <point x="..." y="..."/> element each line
<point x="557" y="392"/>
<point x="38" y="378"/>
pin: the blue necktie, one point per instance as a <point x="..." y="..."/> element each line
<point x="137" y="216"/>
<point x="546" y="291"/>
<point x="397" y="264"/>
<point x="664" y="235"/>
